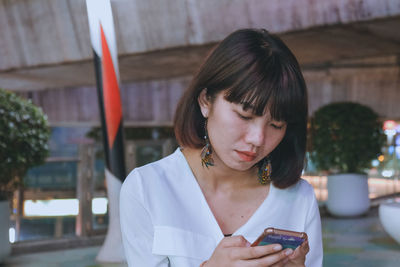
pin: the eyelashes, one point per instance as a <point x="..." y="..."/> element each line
<point x="276" y="126"/>
<point x="244" y="117"/>
<point x="247" y="118"/>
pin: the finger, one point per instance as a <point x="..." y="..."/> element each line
<point x="285" y="261"/>
<point x="257" y="251"/>
<point x="280" y="263"/>
<point x="297" y="254"/>
<point x="300" y="251"/>
<point x="275" y="258"/>
<point x="235" y="241"/>
<point x="305" y="247"/>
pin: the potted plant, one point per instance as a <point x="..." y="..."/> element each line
<point x="346" y="137"/>
<point x="24" y="134"/>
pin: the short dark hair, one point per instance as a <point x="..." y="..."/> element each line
<point x="256" y="69"/>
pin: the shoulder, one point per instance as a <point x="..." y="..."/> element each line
<point x="158" y="170"/>
<point x="298" y="200"/>
<point x="301" y="191"/>
<point x="154" y="176"/>
<point x="303" y="187"/>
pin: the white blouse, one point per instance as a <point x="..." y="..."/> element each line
<point x="166" y="221"/>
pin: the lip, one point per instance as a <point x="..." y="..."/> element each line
<point x="246" y="155"/>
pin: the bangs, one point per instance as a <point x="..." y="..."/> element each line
<point x="256" y="70"/>
<point x="270" y="86"/>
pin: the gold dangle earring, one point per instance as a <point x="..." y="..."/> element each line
<point x="206" y="152"/>
<point x="265" y="171"/>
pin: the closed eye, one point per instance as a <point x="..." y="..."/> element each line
<point x="246" y="118"/>
<point x="277" y="126"/>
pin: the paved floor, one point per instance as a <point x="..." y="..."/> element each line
<point x="82" y="257"/>
<point x="347" y="242"/>
<point x="358" y="242"/>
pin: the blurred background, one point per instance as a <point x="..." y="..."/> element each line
<point x="349" y="50"/>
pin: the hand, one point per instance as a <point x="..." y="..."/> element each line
<point x="298" y="258"/>
<point x="236" y="251"/>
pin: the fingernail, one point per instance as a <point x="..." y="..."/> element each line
<point x="277" y="247"/>
<point x="288" y="251"/>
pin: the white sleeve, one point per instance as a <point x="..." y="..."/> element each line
<point x="137" y="228"/>
<point x="313" y="230"/>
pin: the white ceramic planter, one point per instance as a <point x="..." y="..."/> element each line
<point x="348" y="194"/>
<point x="5" y="247"/>
<point x="389" y="215"/>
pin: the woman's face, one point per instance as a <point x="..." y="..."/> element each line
<point x="238" y="138"/>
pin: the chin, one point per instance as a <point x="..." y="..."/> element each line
<point x="242" y="166"/>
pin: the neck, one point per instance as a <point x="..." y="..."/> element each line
<point x="219" y="177"/>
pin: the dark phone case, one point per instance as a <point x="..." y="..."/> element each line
<point x="288" y="239"/>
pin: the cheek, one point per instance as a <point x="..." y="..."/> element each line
<point x="278" y="138"/>
<point x="273" y="141"/>
<point x="226" y="129"/>
<point x="234" y="129"/>
<point x="228" y="121"/>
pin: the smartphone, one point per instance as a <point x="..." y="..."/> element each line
<point x="288" y="239"/>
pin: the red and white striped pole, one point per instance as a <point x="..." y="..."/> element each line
<point x="107" y="76"/>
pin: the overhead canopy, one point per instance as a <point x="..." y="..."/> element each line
<point x="45" y="44"/>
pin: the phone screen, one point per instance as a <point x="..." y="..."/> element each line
<point x="287" y="241"/>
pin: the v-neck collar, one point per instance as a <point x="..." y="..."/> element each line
<point x="243" y="229"/>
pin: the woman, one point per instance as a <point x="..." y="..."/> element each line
<point x="241" y="126"/>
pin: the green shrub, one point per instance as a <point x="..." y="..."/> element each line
<point x="346" y="137"/>
<point x="24" y="134"/>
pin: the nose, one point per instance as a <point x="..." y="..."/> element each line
<point x="255" y="134"/>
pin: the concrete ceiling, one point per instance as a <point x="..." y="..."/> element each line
<point x="315" y="48"/>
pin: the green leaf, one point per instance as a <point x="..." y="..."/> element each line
<point x="345" y="137"/>
<point x="24" y="133"/>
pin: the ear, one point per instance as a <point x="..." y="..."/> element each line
<point x="204" y="103"/>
